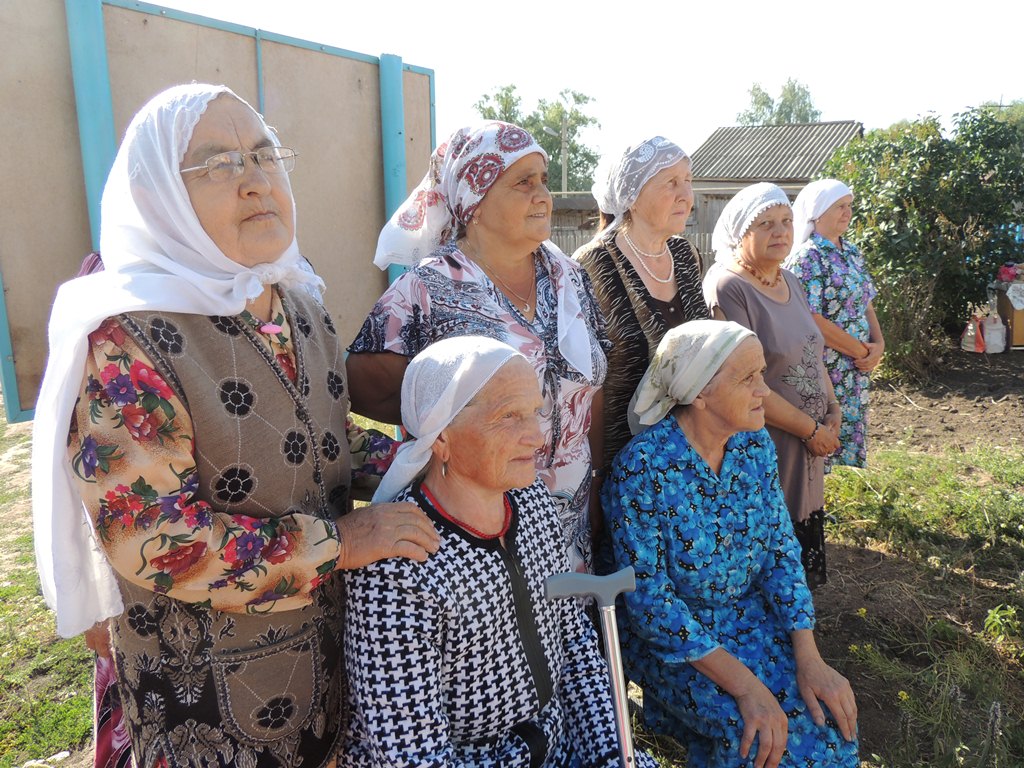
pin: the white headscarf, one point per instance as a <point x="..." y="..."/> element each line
<point x="461" y="172"/>
<point x="620" y="185"/>
<point x="439" y="382"/>
<point x="157" y="257"/>
<point x="813" y="200"/>
<point x="739" y="214"/>
<point x="687" y="358"/>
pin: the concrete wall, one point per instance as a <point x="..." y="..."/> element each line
<point x="325" y="103"/>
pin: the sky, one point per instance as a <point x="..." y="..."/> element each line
<point x="679" y="69"/>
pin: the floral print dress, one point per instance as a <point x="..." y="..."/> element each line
<point x="717" y="566"/>
<point x="839" y="288"/>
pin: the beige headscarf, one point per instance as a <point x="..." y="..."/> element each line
<point x="687" y="358"/>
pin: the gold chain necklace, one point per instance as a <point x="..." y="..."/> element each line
<point x="508" y="289"/>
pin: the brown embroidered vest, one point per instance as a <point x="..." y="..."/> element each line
<point x="205" y="687"/>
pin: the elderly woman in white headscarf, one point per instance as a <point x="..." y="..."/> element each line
<point x="751" y="239"/>
<point x="719" y="632"/>
<point x="199" y="497"/>
<point x="646" y="276"/>
<point x="839" y="291"/>
<point x="475" y="232"/>
<point x="461" y="660"/>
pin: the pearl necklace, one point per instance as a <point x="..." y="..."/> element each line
<point x="464" y="525"/>
<point x="664" y="248"/>
<point x="757" y="276"/>
<point x="640" y="260"/>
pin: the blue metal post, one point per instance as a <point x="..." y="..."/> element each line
<point x="96" y="136"/>
<point x="392" y="128"/>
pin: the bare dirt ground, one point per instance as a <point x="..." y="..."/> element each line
<point x="972" y="400"/>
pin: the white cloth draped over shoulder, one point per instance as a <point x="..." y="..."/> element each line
<point x="813" y="200"/>
<point x="439" y="382"/>
<point x="687" y="358"/>
<point x="156" y="257"/>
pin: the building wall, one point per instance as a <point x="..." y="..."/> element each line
<point x="324" y="102"/>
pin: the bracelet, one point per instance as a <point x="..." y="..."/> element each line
<point x="805" y="440"/>
<point x="598" y="474"/>
<point x="835" y="403"/>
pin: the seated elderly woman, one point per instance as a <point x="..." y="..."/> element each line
<point x="200" y="498"/>
<point x="461" y="660"/>
<point x="719" y="630"/>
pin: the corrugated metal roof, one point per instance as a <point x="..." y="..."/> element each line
<point x="771" y="152"/>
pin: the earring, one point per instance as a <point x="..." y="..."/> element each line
<point x="444" y="469"/>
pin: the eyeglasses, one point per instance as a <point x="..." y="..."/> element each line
<point x="230" y="165"/>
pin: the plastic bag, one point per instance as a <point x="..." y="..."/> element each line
<point x="973" y="338"/>
<point x="994" y="335"/>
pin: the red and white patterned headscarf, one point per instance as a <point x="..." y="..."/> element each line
<point x="461" y="171"/>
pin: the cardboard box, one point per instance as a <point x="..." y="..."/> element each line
<point x="1014" y="320"/>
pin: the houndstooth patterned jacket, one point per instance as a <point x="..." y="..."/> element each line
<point x="462" y="661"/>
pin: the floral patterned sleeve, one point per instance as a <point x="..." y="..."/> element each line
<point x="400" y="320"/>
<point x="810" y="269"/>
<point x="131" y="450"/>
<point x="372" y="453"/>
<point x="645" y="537"/>
<point x="782" y="578"/>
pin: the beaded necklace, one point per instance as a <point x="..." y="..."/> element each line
<point x="757" y="276"/>
<point x="466" y="526"/>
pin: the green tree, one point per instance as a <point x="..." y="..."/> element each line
<point x="794" y="105"/>
<point x="502" y="105"/>
<point x="1010" y="113"/>
<point x="930" y="216"/>
<point x="505" y="104"/>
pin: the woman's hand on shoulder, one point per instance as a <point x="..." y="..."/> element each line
<point x="818" y="682"/>
<point x="763" y="718"/>
<point x="381" y="531"/>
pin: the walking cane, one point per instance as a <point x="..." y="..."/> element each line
<point x="604" y="589"/>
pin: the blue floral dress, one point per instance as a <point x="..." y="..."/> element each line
<point x="717" y="566"/>
<point x="839" y="288"/>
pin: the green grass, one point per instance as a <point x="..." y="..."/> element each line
<point x="952" y="649"/>
<point x="46" y="691"/>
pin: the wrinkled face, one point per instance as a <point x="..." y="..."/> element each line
<point x="666" y="199"/>
<point x="834" y="221"/>
<point x="770" y="237"/>
<point x="734" y="398"/>
<point x="493" y="440"/>
<point x="251" y="218"/>
<point x="517" y="208"/>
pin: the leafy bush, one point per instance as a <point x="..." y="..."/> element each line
<point x="931" y="216"/>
